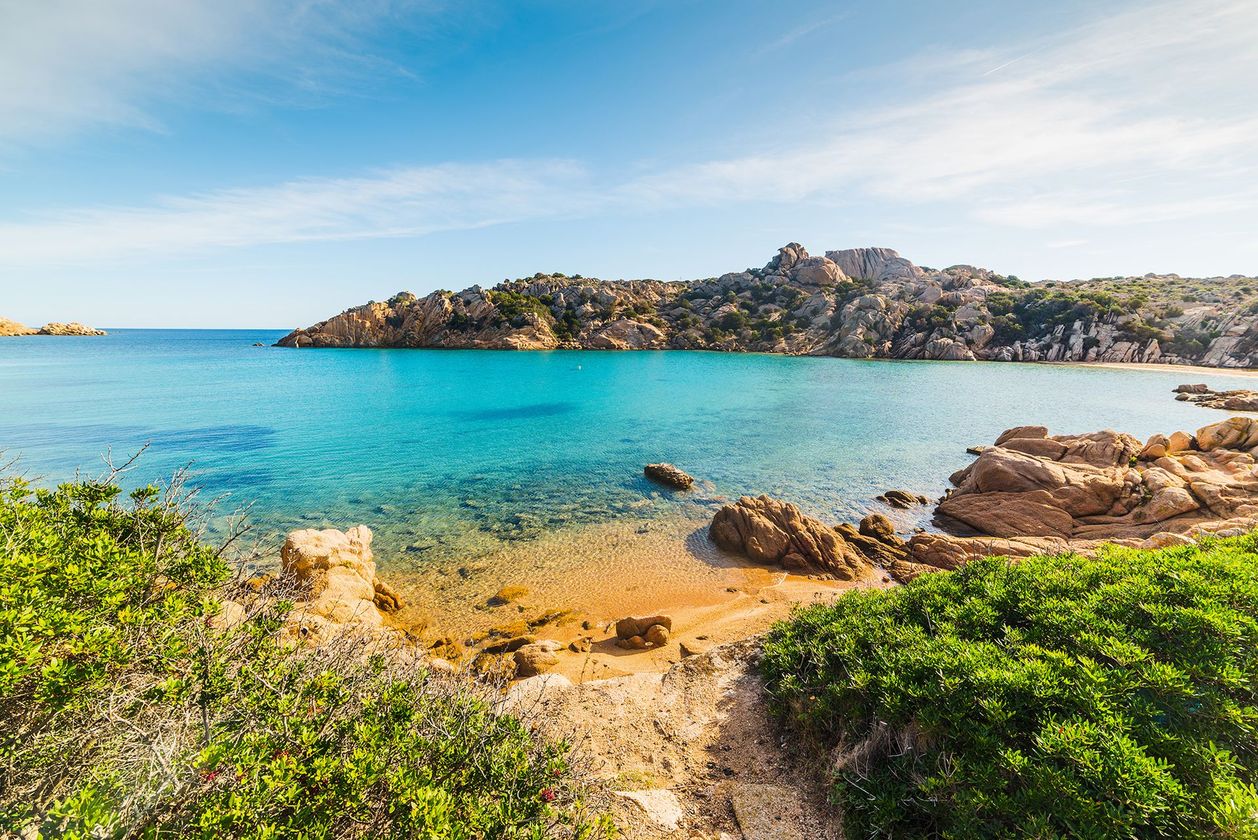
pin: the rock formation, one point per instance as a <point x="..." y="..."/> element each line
<point x="337" y="575"/>
<point x="8" y="327"/>
<point x="1234" y="400"/>
<point x="1031" y="493"/>
<point x="72" y="328"/>
<point x="860" y="303"/>
<point x="772" y="531"/>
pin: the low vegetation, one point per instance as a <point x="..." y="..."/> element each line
<point x="132" y="704"/>
<point x="1057" y="696"/>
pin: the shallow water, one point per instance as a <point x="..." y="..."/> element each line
<point x="484" y="457"/>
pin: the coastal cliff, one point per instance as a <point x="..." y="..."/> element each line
<point x="855" y="303"/>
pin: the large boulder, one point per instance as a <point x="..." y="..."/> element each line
<point x="630" y="626"/>
<point x="536" y="658"/>
<point x="336" y="575"/>
<point x="772" y="531"/>
<point x="1232" y="433"/>
<point x="816" y="271"/>
<point x="1027" y="514"/>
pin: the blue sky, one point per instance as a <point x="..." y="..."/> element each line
<point x="246" y="163"/>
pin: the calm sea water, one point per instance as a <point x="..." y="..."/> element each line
<point x="451" y="454"/>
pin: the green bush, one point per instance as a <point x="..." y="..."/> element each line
<point x="128" y="709"/>
<point x="1057" y="696"/>
<point x="514" y="308"/>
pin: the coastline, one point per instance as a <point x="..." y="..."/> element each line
<point x="1241" y="373"/>
<point x="563" y="594"/>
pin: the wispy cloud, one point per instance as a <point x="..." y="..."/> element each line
<point x="71" y="65"/>
<point x="393" y="203"/>
<point x="802" y="31"/>
<point x="1165" y="89"/>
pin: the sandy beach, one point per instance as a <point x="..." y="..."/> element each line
<point x="1189" y="371"/>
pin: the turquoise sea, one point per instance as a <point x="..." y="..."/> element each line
<point x="472" y="459"/>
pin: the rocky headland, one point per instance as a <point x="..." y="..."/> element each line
<point x="855" y="303"/>
<point x="8" y="327"/>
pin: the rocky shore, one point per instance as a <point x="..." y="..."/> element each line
<point x="1234" y="399"/>
<point x="1027" y="493"/>
<point x="855" y="303"/>
<point x="1030" y="493"/>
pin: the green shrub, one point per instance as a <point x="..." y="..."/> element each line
<point x="127" y="709"/>
<point x="515" y="307"/>
<point x="1056" y="696"/>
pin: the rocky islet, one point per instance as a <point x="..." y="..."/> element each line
<point x="11" y="328"/>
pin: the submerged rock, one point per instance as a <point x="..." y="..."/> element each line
<point x="669" y="475"/>
<point x="903" y="499"/>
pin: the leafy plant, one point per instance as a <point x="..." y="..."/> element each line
<point x="1056" y="696"/>
<point x="134" y="703"/>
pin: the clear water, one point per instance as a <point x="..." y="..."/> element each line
<point x="456" y="455"/>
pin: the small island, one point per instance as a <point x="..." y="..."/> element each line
<point x="9" y="327"/>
